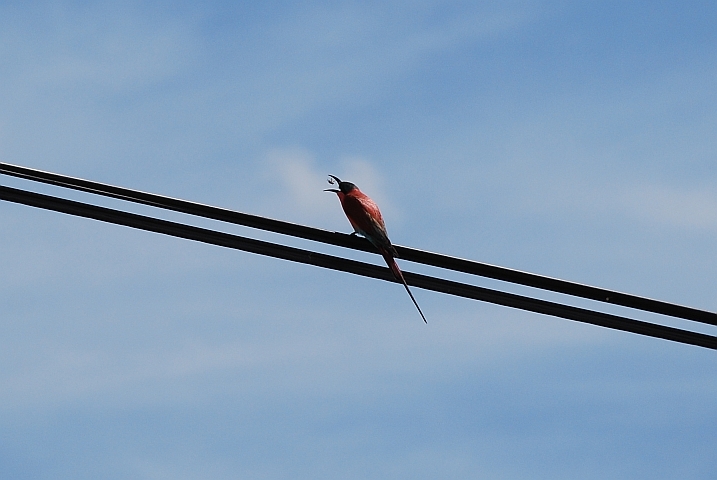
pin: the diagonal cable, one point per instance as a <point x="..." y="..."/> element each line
<point x="353" y="242"/>
<point x="351" y="266"/>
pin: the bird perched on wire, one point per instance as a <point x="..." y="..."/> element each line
<point x="366" y="219"/>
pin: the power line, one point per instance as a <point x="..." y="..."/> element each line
<point x="356" y="243"/>
<point x="351" y="266"/>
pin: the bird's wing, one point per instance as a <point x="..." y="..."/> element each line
<point x="364" y="215"/>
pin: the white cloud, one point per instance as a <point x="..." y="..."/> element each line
<point x="301" y="195"/>
<point x="297" y="183"/>
<point x="361" y="172"/>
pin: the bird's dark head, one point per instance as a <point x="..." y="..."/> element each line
<point x="344" y="187"/>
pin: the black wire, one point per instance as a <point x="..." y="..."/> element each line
<point x="355" y="267"/>
<point x="356" y="243"/>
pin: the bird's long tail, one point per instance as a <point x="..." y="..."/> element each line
<point x="391" y="262"/>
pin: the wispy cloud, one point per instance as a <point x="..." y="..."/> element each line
<point x="688" y="207"/>
<point x="97" y="47"/>
<point x="300" y="181"/>
<point x="346" y="55"/>
<point x="295" y="360"/>
<point x="503" y="131"/>
<point x="300" y="193"/>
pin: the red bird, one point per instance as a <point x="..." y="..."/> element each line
<point x="365" y="217"/>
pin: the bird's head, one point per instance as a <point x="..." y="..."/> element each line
<point x="344" y="187"/>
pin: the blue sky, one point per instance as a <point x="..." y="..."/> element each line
<point x="571" y="139"/>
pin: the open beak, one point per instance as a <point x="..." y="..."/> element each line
<point x="332" y="182"/>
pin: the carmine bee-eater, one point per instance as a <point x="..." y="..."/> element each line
<point x="365" y="217"/>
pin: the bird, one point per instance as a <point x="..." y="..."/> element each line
<point x="367" y="221"/>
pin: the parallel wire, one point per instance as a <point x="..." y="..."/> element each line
<point x="356" y="243"/>
<point x="351" y="266"/>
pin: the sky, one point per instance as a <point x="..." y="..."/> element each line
<point x="574" y="139"/>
